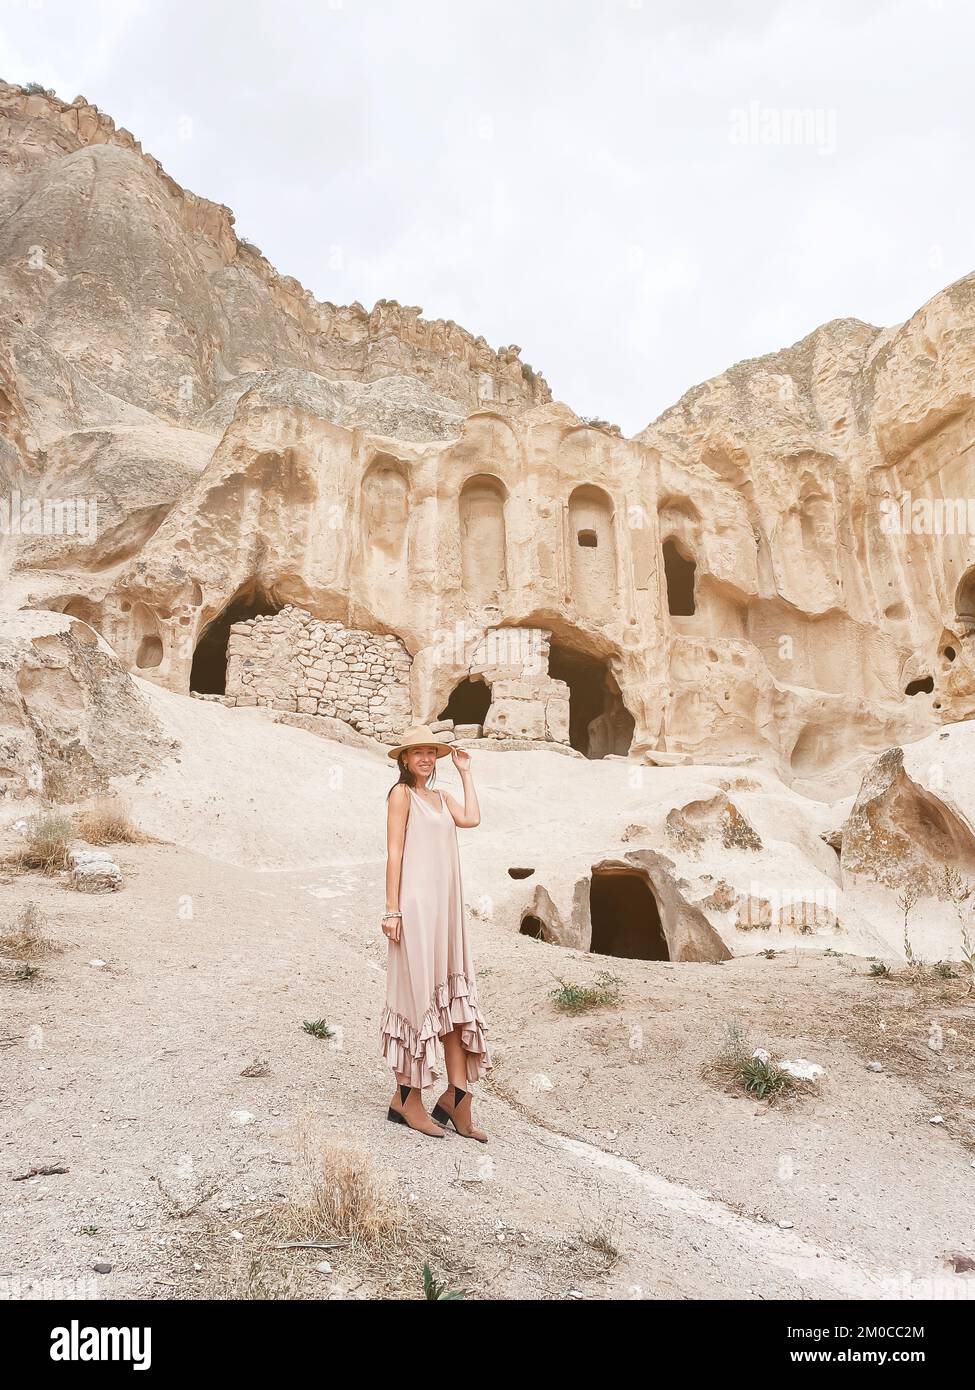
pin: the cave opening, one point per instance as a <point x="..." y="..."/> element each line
<point x="469" y="702"/>
<point x="599" y="722"/>
<point x="532" y="926"/>
<point x="625" y="917"/>
<point x="679" y="572"/>
<point x="208" y="674"/>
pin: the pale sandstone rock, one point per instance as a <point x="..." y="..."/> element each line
<point x="364" y="520"/>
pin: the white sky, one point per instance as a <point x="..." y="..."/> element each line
<point x="562" y="174"/>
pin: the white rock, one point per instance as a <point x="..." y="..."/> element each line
<point x="805" y="1071"/>
<point x="242" y="1117"/>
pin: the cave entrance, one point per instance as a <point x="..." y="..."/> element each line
<point x="469" y="702"/>
<point x="965" y="602"/>
<point x="679" y="573"/>
<point x="599" y="722"/>
<point x="624" y="915"/>
<point x="208" y="675"/>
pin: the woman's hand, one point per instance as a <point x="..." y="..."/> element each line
<point x="391" y="926"/>
<point x="461" y="759"/>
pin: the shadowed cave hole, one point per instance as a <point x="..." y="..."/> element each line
<point x="599" y="722"/>
<point x="533" y="927"/>
<point x="922" y="686"/>
<point x="625" y="917"/>
<point x="679" y="571"/>
<point x="965" y="601"/>
<point x="208" y="675"/>
<point x="469" y="702"/>
<point x="520" y="873"/>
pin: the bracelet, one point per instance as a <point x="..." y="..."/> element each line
<point x="391" y="914"/>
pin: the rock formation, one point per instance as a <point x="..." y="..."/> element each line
<point x="368" y="517"/>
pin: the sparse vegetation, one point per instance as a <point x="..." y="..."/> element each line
<point x="107" y="822"/>
<point x="347" y="1197"/>
<point x="959" y="891"/>
<point x="880" y="968"/>
<point x="602" y="1231"/>
<point x="26" y="940"/>
<point x="907" y="901"/>
<point x="737" y="1065"/>
<point x="762" y="1077"/>
<point x="576" y="999"/>
<point x="318" y="1028"/>
<point x="46" y="842"/>
<point x="432" y="1288"/>
<point x="769" y="953"/>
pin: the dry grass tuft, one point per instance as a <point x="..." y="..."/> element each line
<point x="46" y="843"/>
<point x="26" y="940"/>
<point x="345" y="1196"/>
<point x="107" y="822"/>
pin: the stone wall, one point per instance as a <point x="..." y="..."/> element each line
<point x="292" y="661"/>
<point x="526" y="703"/>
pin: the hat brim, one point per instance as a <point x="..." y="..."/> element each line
<point x="443" y="749"/>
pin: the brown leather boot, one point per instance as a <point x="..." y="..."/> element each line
<point x="406" y="1108"/>
<point x="455" y="1105"/>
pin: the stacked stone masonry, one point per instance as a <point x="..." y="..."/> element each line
<point x="293" y="661"/>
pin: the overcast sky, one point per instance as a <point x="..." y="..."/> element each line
<point x="616" y="186"/>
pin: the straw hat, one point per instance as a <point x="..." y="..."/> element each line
<point x="418" y="736"/>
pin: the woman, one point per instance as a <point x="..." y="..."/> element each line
<point x="431" y="992"/>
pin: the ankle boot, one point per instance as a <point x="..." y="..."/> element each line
<point x="397" y="1115"/>
<point x="455" y="1105"/>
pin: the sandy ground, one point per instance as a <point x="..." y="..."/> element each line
<point x="614" y="1168"/>
<point x="130" y="1072"/>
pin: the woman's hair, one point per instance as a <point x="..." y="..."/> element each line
<point x="407" y="778"/>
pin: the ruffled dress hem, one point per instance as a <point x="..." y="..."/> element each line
<point x="414" y="1052"/>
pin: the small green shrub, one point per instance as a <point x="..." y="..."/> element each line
<point x="575" y="999"/>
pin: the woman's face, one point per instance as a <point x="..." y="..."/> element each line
<point x="421" y="761"/>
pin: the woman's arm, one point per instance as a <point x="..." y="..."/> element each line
<point x="397" y="813"/>
<point x="470" y="815"/>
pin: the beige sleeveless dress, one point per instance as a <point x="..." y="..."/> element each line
<point x="430" y="984"/>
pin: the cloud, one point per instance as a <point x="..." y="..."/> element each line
<point x="561" y="173"/>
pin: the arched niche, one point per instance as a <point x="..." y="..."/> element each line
<point x="483" y="544"/>
<point x="599" y="722"/>
<point x="679" y="572"/>
<point x="208" y="675"/>
<point x="625" y="915"/>
<point x="965" y="602"/>
<point x="384" y="516"/>
<point x="591" y="546"/>
<point x="469" y="701"/>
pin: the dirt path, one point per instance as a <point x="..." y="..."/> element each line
<point x="603" y="1132"/>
